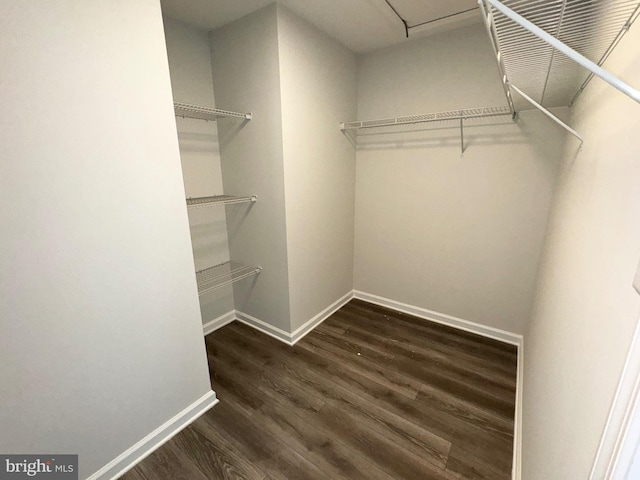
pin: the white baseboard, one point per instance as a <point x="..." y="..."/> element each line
<point x="142" y="449"/>
<point x="466" y="325"/>
<point x="300" y="332"/>
<point x="264" y="327"/>
<point x="294" y="337"/>
<point x="516" y="473"/>
<point x="221" y="321"/>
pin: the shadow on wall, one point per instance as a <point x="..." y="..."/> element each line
<point x="236" y="215"/>
<point x="242" y="292"/>
<point x="228" y="128"/>
<point x="196" y="136"/>
<point x="194" y="142"/>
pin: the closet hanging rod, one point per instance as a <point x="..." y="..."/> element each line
<point x="197" y="112"/>
<point x="465" y="114"/>
<point x="620" y="34"/>
<point x="568" y="51"/>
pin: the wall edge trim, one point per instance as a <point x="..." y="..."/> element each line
<point x="444" y="319"/>
<point x="300" y="332"/>
<point x="264" y="327"/>
<point x="216" y="323"/>
<point x="154" y="440"/>
<point x="516" y="473"/>
<point x="607" y="458"/>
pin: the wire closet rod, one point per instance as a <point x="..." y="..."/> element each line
<point x="568" y="51"/>
<point x="614" y="44"/>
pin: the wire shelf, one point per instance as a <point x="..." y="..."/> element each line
<point x="222" y="275"/>
<point x="199" y="202"/>
<point x="552" y="79"/>
<point x="465" y="114"/>
<point x="184" y="110"/>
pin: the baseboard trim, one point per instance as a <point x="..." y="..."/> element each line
<point x="142" y="449"/>
<point x="299" y="333"/>
<point x="292" y="338"/>
<point x="264" y="327"/>
<point x="216" y="323"/>
<point x="466" y="325"/>
<point x="516" y="473"/>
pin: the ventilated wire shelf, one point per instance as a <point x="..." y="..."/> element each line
<point x="466" y="114"/>
<point x="199" y="202"/>
<point x="222" y="275"/>
<point x="592" y="28"/>
<point x="184" y="110"/>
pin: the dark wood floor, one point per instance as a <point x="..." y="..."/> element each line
<point x="369" y="394"/>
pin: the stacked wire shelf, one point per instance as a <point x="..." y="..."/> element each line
<point x="222" y="275"/>
<point x="184" y="110"/>
<point x="199" y="202"/>
<point x="229" y="272"/>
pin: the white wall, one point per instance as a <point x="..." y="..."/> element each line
<point x="318" y="91"/>
<point x="192" y="83"/>
<point x="246" y="78"/>
<point x="458" y="236"/>
<point x="586" y="309"/>
<point x="102" y="341"/>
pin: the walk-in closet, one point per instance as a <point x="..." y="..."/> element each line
<point x="364" y="239"/>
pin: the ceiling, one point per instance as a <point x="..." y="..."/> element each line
<point x="361" y="25"/>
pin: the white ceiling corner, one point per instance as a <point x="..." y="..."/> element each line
<point x="361" y="25"/>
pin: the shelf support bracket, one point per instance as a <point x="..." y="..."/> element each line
<point x="461" y="136"/>
<point x="568" y="51"/>
<point x="487" y="17"/>
<point x="547" y="113"/>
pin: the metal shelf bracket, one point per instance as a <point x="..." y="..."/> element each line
<point x="593" y="67"/>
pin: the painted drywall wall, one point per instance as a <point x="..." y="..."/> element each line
<point x="192" y="83"/>
<point x="456" y="235"/>
<point x="102" y="341"/>
<point x="586" y="309"/>
<point x="318" y="91"/>
<point x="246" y="78"/>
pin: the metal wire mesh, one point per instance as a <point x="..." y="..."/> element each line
<point x="221" y="275"/>
<point x="590" y="27"/>
<point x="204" y="113"/>
<point x="465" y="114"/>
<point x="199" y="202"/>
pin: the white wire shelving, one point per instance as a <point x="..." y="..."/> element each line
<point x="184" y="110"/>
<point x="222" y="275"/>
<point x="450" y="119"/>
<point x="548" y="64"/>
<point x="453" y="115"/>
<point x="199" y="202"/>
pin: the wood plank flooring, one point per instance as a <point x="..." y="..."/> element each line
<point x="370" y="394"/>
